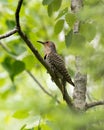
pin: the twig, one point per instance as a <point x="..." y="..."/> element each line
<point x="8" y="51"/>
<point x="5" y="48"/>
<point x="17" y="13"/>
<point x="9" y="33"/>
<point x="44" y="90"/>
<point x="93" y="104"/>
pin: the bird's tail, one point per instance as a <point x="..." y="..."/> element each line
<point x="71" y="82"/>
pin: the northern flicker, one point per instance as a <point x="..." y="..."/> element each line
<point x="55" y="62"/>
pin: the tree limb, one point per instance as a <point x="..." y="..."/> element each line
<point x="75" y="7"/>
<point x="8" y="33"/>
<point x="44" y="90"/>
<point x="38" y="56"/>
<point x="35" y="52"/>
<point x="30" y="74"/>
<point x="4" y="47"/>
<point x="93" y="104"/>
<point x="17" y="13"/>
<point x="8" y="50"/>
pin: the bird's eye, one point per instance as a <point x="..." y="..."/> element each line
<point x="47" y="42"/>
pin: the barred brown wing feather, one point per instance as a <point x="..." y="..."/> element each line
<point x="56" y="61"/>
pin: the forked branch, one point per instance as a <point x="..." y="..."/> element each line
<point x="93" y="104"/>
<point x="36" y="53"/>
<point x="8" y="34"/>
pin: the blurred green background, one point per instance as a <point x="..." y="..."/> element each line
<point x="23" y="105"/>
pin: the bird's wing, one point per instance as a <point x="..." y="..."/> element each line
<point x="58" y="62"/>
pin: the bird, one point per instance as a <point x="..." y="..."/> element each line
<point x="56" y="63"/>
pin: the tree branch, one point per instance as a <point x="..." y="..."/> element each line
<point x="9" y="33"/>
<point x="35" y="52"/>
<point x="44" y="90"/>
<point x="76" y="5"/>
<point x="17" y="13"/>
<point x="93" y="104"/>
<point x="30" y="74"/>
<point x="5" y="48"/>
<point x="38" y="56"/>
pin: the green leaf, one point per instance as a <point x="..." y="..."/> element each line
<point x="53" y="6"/>
<point x="63" y="12"/>
<point x="17" y="67"/>
<point x="70" y="19"/>
<point x="50" y="10"/>
<point x="13" y="67"/>
<point x="84" y="30"/>
<point x="56" y="4"/>
<point x="18" y="48"/>
<point x="21" y="114"/>
<point x="59" y="26"/>
<point x="47" y="2"/>
<point x="68" y="38"/>
<point x="3" y="1"/>
<point x="23" y="127"/>
<point x="7" y="64"/>
<point x="78" y="42"/>
<point x="29" y="62"/>
<point x="10" y="24"/>
<point x="8" y="91"/>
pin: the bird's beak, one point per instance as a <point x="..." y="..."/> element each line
<point x="41" y="42"/>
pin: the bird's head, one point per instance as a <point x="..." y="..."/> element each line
<point x="49" y="46"/>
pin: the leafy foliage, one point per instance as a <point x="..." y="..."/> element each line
<point x="68" y="38"/>
<point x="13" y="67"/>
<point x="28" y="108"/>
<point x="47" y="2"/>
<point x="59" y="26"/>
<point x="53" y="5"/>
<point x="70" y="19"/>
<point x="62" y="12"/>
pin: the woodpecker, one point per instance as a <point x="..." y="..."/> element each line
<point x="56" y="63"/>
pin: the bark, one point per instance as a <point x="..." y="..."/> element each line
<point x="79" y="94"/>
<point x="75" y="7"/>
